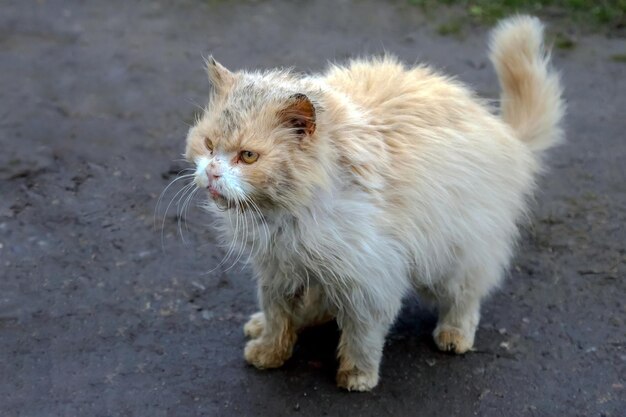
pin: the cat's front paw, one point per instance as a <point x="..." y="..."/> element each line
<point x="356" y="380"/>
<point x="265" y="354"/>
<point x="452" y="339"/>
<point x="254" y="327"/>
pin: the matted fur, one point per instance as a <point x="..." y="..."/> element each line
<point x="372" y="180"/>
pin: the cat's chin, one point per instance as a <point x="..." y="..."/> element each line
<point x="222" y="203"/>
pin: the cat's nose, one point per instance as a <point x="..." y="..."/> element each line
<point x="213" y="173"/>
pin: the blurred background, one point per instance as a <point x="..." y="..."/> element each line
<point x="107" y="305"/>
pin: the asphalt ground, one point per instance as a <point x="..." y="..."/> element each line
<point x="105" y="313"/>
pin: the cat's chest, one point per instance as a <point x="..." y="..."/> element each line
<point x="288" y="243"/>
<point x="322" y="238"/>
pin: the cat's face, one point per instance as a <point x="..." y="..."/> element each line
<point x="254" y="142"/>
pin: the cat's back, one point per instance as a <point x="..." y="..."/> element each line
<point x="392" y="94"/>
<point x="440" y="149"/>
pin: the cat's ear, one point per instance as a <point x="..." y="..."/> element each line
<point x="299" y="115"/>
<point x="220" y="77"/>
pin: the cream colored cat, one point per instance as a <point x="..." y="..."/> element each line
<point x="349" y="189"/>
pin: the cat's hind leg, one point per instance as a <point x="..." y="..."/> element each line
<point x="457" y="325"/>
<point x="458" y="300"/>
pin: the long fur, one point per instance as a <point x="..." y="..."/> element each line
<point x="407" y="182"/>
<point x="531" y="92"/>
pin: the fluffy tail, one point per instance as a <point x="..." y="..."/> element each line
<point x="531" y="100"/>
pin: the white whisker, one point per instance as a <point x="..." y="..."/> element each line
<point x="156" y="208"/>
<point x="244" y="236"/>
<point x="180" y="208"/>
<point x="183" y="190"/>
<point x="231" y="247"/>
<point x="187" y="204"/>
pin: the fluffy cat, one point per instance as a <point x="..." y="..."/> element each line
<point x="349" y="189"/>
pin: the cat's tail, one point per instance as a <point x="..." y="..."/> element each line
<point x="531" y="99"/>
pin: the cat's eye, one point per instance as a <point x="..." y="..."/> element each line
<point x="249" y="157"/>
<point x="209" y="144"/>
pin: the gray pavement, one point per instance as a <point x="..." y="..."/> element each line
<point x="102" y="314"/>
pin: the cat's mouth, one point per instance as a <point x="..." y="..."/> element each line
<point x="214" y="193"/>
<point x="220" y="200"/>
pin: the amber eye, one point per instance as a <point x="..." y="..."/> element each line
<point x="208" y="144"/>
<point x="249" y="157"/>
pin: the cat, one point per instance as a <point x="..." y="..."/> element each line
<point x="349" y="189"/>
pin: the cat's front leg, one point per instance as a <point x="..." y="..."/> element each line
<point x="255" y="325"/>
<point x="360" y="351"/>
<point x="274" y="331"/>
<point x="364" y="326"/>
<point x="309" y="308"/>
<point x="272" y="348"/>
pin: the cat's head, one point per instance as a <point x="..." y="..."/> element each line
<point x="257" y="140"/>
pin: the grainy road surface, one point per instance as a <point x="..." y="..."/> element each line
<point x="102" y="315"/>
